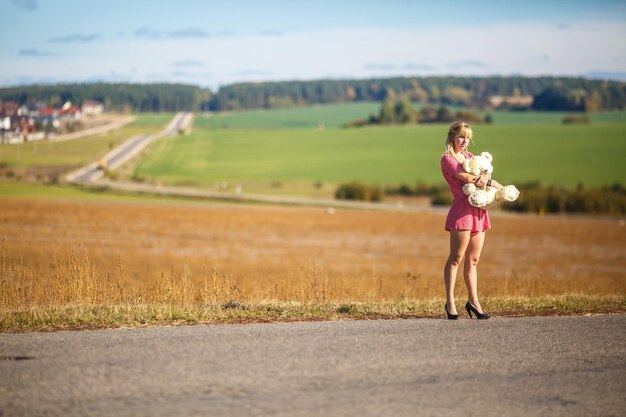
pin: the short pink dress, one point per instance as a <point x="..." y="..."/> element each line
<point x="462" y="215"/>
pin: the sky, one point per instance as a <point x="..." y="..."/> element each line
<point x="215" y="43"/>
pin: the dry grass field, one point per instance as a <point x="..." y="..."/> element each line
<point x="57" y="254"/>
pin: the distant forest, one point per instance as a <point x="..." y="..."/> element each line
<point x="547" y="93"/>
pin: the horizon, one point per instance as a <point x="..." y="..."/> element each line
<point x="295" y="80"/>
<point x="214" y="44"/>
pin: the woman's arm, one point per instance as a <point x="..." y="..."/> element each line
<point x="465" y="177"/>
<point x="479" y="180"/>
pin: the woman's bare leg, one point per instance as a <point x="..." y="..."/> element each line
<point x="459" y="240"/>
<point x="470" y="269"/>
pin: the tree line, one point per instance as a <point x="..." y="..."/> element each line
<point x="548" y="93"/>
<point x="554" y="93"/>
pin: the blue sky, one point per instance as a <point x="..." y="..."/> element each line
<point x="213" y="43"/>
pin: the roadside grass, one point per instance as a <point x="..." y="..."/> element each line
<point x="384" y="155"/>
<point x="77" y="317"/>
<point x="41" y="191"/>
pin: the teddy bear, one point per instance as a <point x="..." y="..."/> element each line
<point x="489" y="196"/>
<point x="478" y="164"/>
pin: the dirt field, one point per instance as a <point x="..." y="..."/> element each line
<point x="285" y="253"/>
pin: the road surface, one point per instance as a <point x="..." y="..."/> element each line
<point x="536" y="366"/>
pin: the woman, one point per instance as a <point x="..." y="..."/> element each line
<point x="466" y="224"/>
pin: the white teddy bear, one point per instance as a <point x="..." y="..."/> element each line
<point x="478" y="164"/>
<point x="489" y="196"/>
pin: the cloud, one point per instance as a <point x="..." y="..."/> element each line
<point x="189" y="63"/>
<point x="180" y="73"/>
<point x="74" y="37"/>
<point x="271" y="33"/>
<point x="110" y="77"/>
<point x="34" y="53"/>
<point x="28" y="80"/>
<point x="186" y="33"/>
<point x="185" y="74"/>
<point x="29" y="5"/>
<point x="418" y="67"/>
<point x="409" y="66"/>
<point x="467" y="63"/>
<point x="380" y="67"/>
<point x="606" y="75"/>
<point x="338" y="76"/>
<point x="253" y="72"/>
<point x="147" y="33"/>
<point x="189" y="33"/>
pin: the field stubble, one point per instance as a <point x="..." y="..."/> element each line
<point x="64" y="254"/>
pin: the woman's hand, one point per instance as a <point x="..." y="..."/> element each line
<point x="482" y="179"/>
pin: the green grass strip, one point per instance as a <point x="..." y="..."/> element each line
<point x="76" y="317"/>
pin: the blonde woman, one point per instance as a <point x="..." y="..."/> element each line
<point x="466" y="224"/>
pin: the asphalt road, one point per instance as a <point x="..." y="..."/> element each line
<point x="538" y="366"/>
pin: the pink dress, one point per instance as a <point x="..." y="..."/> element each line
<point x="462" y="215"/>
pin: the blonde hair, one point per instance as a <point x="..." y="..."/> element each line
<point x="457" y="129"/>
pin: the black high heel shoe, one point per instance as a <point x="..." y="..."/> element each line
<point x="480" y="316"/>
<point x="450" y="316"/>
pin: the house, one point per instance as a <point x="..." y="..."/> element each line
<point x="511" y="101"/>
<point x="92" y="108"/>
<point x="69" y="112"/>
<point x="10" y="114"/>
<point x="47" y="113"/>
<point x="15" y="123"/>
<point x="19" y="123"/>
<point x="9" y="109"/>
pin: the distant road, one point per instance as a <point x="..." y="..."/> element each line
<point x="97" y="130"/>
<point x="535" y="366"/>
<point x="124" y="152"/>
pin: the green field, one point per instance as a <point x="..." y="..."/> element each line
<point x="553" y="154"/>
<point x="337" y="115"/>
<point x="327" y="116"/>
<point x="152" y="119"/>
